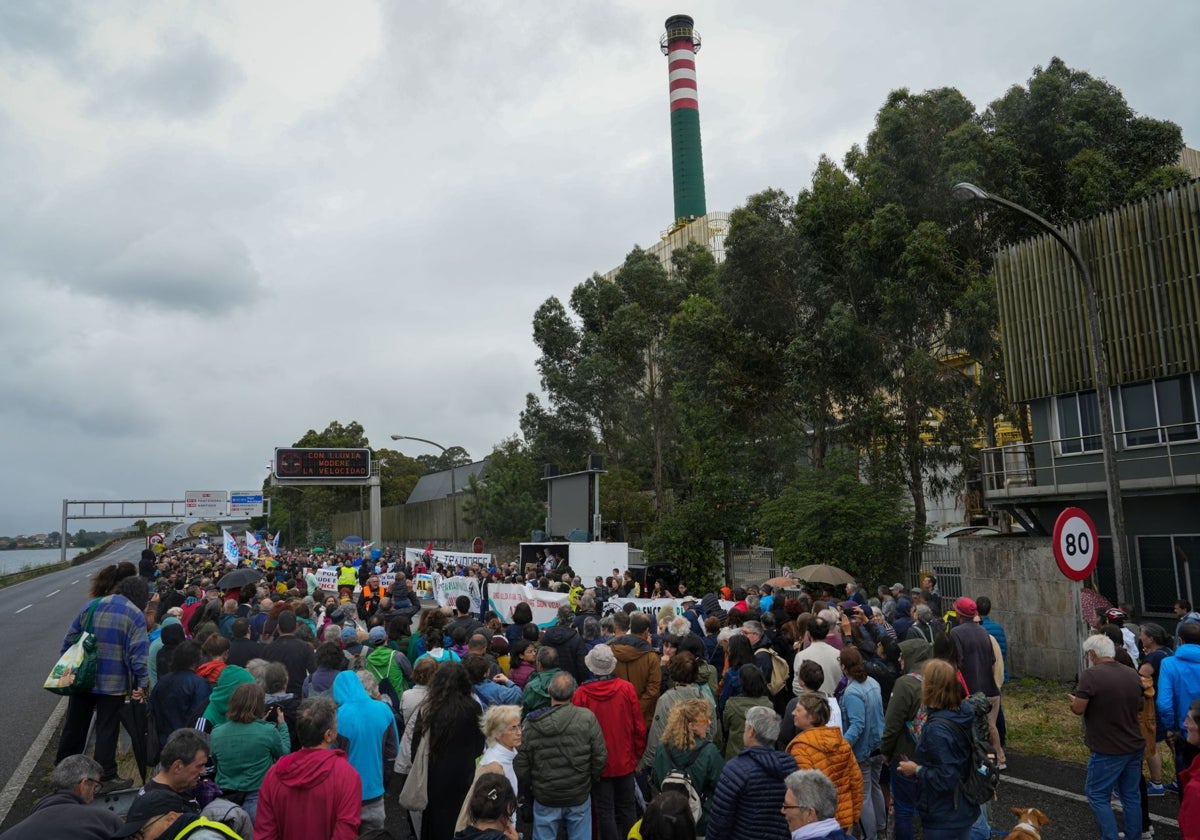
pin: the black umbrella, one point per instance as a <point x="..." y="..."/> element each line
<point x="135" y="719"/>
<point x="239" y="578"/>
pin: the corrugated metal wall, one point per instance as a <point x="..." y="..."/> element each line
<point x="1145" y="260"/>
<point x="418" y="522"/>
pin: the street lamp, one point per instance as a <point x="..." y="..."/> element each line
<point x="1116" y="516"/>
<point x="453" y="485"/>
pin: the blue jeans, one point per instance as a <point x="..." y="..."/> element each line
<point x="982" y="829"/>
<point x="904" y="804"/>
<point x="872" y="797"/>
<point x="577" y="818"/>
<point x="1106" y="773"/>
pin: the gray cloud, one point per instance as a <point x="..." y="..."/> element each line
<point x="187" y="80"/>
<point x="200" y="258"/>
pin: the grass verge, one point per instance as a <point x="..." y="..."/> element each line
<point x="1039" y="721"/>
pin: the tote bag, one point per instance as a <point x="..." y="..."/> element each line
<point x="75" y="670"/>
<point x="415" y="795"/>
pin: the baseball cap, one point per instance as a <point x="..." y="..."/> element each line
<point x="377" y="635"/>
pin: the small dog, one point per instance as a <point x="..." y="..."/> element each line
<point x="1029" y="824"/>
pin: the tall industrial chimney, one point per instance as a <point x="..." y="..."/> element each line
<point x="679" y="44"/>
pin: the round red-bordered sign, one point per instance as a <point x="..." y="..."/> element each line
<point x="1075" y="544"/>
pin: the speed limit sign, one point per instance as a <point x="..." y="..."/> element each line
<point x="1075" y="548"/>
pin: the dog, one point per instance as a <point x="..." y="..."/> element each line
<point x="1029" y="824"/>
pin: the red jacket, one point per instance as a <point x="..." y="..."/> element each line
<point x="312" y="794"/>
<point x="1189" y="801"/>
<point x="614" y="702"/>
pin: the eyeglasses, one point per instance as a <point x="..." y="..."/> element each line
<point x="93" y="782"/>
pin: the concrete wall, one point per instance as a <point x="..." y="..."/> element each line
<point x="1031" y="600"/>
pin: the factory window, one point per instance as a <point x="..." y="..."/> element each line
<point x="1078" y="423"/>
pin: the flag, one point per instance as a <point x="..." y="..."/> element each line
<point x="275" y="543"/>
<point x="252" y="543"/>
<point x="231" y="546"/>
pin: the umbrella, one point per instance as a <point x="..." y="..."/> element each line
<point x="352" y="540"/>
<point x="135" y="720"/>
<point x="823" y="573"/>
<point x="200" y="549"/>
<point x="239" y="578"/>
<point x="782" y="583"/>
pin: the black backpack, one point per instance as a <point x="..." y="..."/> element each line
<point x="978" y="785"/>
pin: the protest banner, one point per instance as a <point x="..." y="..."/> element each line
<point x="651" y="606"/>
<point x="502" y="597"/>
<point x="452" y="587"/>
<point x="459" y="559"/>
<point x="423" y="585"/>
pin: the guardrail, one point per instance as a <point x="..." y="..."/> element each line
<point x="1171" y="459"/>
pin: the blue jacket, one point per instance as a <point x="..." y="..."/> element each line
<point x="1178" y="686"/>
<point x="862" y="717"/>
<point x="997" y="633"/>
<point x="904" y="619"/>
<point x="944" y="755"/>
<point x="494" y="694"/>
<point x="749" y="796"/>
<point x="368" y="725"/>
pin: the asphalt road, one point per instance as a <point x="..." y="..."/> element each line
<point x="34" y="617"/>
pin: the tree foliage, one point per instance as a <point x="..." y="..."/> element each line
<point x="829" y="515"/>
<point x="852" y="325"/>
<point x="506" y="504"/>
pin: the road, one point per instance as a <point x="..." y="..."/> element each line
<point x="34" y="617"/>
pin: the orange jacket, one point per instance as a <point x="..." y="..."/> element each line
<point x="823" y="748"/>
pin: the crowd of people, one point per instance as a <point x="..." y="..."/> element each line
<point x="277" y="710"/>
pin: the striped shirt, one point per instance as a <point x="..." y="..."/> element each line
<point x="122" y="648"/>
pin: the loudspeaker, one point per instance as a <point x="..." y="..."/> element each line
<point x="550" y="470"/>
<point x="595" y="463"/>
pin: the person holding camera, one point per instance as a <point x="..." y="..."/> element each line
<point x="247" y="744"/>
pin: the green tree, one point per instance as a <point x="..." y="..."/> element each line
<point x="605" y="371"/>
<point x="831" y="516"/>
<point x="142" y="527"/>
<point x="505" y="505"/>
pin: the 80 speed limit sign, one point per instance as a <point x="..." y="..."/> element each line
<point x="1075" y="548"/>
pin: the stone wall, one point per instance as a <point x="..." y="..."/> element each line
<point x="1031" y="600"/>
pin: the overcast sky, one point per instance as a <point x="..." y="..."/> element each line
<point x="225" y="223"/>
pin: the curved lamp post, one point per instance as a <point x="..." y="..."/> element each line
<point x="453" y="485"/>
<point x="1112" y="482"/>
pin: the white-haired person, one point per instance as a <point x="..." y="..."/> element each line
<point x="501" y="727"/>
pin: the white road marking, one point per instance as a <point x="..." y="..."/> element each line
<point x="21" y="775"/>
<point x="27" y="606"/>
<point x="55" y="592"/>
<point x="75" y="581"/>
<point x="1078" y="797"/>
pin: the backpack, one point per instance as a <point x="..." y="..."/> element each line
<point x="978" y="785"/>
<point x="779" y="673"/>
<point x="679" y="781"/>
<point x="381" y="664"/>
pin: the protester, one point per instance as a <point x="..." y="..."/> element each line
<point x="943" y="756"/>
<point x="121" y="668"/>
<point x="668" y="817"/>
<point x="218" y="701"/>
<point x="810" y="806"/>
<point x="182" y="695"/>
<point x="862" y="710"/>
<point x="247" y="744"/>
<point x="449" y="718"/>
<point x="686" y="748"/>
<point x="1108" y="698"/>
<point x="753" y="695"/>
<point x="821" y="747"/>
<point x="748" y="799"/>
<point x="370" y="728"/>
<point x="314" y="793"/>
<point x="490" y="810"/>
<point x="562" y="756"/>
<point x="1189" y="779"/>
<point x="66" y="813"/>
